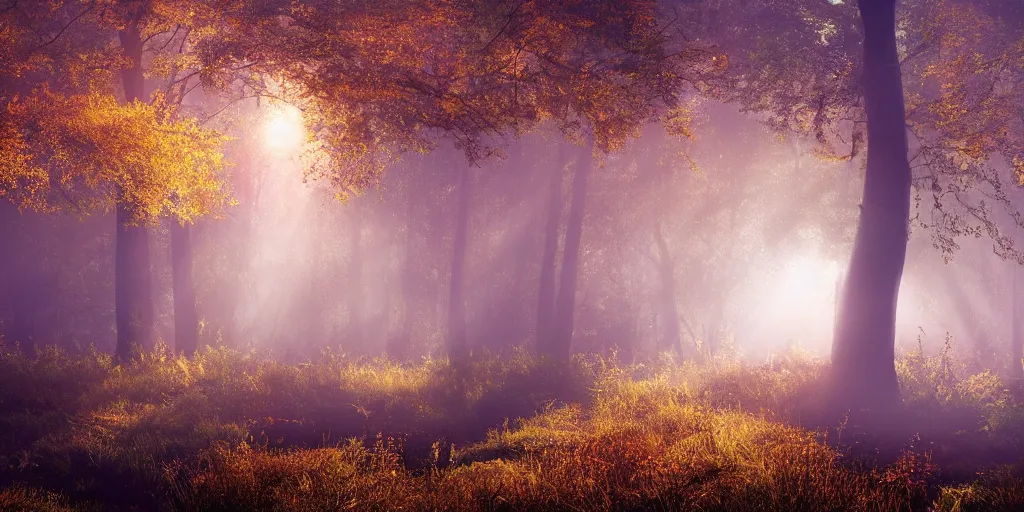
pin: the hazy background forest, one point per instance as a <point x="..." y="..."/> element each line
<point x="749" y="229"/>
<point x="511" y="255"/>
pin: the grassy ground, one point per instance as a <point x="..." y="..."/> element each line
<point x="231" y="431"/>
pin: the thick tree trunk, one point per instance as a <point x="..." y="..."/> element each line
<point x="565" y="306"/>
<point x="133" y="290"/>
<point x="186" y="318"/>
<point x="133" y="300"/>
<point x="457" y="347"/>
<point x="546" y="288"/>
<point x="670" y="339"/>
<point x="863" y="350"/>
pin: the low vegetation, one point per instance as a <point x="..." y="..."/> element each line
<point x="229" y="430"/>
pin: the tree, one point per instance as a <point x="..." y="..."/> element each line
<point x="457" y="347"/>
<point x="133" y="285"/>
<point x="565" y="303"/>
<point x="800" y="69"/>
<point x="600" y="71"/>
<point x="186" y="316"/>
<point x="85" y="150"/>
<point x="546" y="289"/>
<point x="863" y="351"/>
<point x="1016" y="342"/>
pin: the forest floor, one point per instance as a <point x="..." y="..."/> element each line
<point x="232" y="431"/>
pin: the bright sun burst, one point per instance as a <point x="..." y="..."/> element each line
<point x="799" y="300"/>
<point x="283" y="129"/>
<point x="795" y="304"/>
<point x="806" y="281"/>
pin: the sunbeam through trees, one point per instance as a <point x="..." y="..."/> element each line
<point x="511" y="255"/>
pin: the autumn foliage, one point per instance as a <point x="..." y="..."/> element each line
<point x="126" y="107"/>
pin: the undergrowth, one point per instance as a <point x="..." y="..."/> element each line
<point x="229" y="430"/>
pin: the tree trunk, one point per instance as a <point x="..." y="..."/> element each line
<point x="398" y="345"/>
<point x="456" y="302"/>
<point x="516" y="315"/>
<point x="354" y="281"/>
<point x="546" y="289"/>
<point x="1016" y="347"/>
<point x="863" y="351"/>
<point x="18" y="270"/>
<point x="409" y="272"/>
<point x="133" y="289"/>
<point x="670" y="339"/>
<point x="186" y="318"/>
<point x="565" y="306"/>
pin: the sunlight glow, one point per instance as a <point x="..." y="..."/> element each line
<point x="806" y="282"/>
<point x="797" y="304"/>
<point x="283" y="129"/>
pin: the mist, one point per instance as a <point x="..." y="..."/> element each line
<point x="290" y="269"/>
<point x="482" y="255"/>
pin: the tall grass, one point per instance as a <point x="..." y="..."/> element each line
<point x="229" y="430"/>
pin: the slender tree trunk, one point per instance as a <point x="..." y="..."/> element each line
<point x="133" y="289"/>
<point x="398" y="345"/>
<point x="408" y="269"/>
<point x="27" y="299"/>
<point x="389" y="287"/>
<point x="670" y="339"/>
<point x="354" y="281"/>
<point x="16" y="276"/>
<point x="186" y="318"/>
<point x="457" y="347"/>
<point x="1016" y="345"/>
<point x="566" y="298"/>
<point x="863" y="351"/>
<point x="546" y="289"/>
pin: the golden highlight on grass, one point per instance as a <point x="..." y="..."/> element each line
<point x="230" y="430"/>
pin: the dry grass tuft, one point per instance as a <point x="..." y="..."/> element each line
<point x="232" y="431"/>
